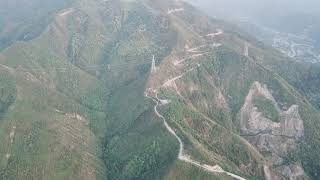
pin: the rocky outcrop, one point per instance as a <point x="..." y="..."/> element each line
<point x="252" y="122"/>
<point x="273" y="139"/>
<point x="291" y="124"/>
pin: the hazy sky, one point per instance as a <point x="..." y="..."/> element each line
<point x="251" y="8"/>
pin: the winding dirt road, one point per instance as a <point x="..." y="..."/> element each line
<point x="181" y="155"/>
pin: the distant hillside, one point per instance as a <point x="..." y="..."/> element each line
<point x="22" y="20"/>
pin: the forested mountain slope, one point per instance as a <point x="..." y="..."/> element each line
<point x="151" y="89"/>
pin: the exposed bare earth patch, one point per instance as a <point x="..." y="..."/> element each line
<point x="274" y="139"/>
<point x="9" y="69"/>
<point x="171" y="11"/>
<point x="9" y="146"/>
<point x="214" y="34"/>
<point x="66" y="12"/>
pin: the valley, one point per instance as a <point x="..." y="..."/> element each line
<point x="297" y="46"/>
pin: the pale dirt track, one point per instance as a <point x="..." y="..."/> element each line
<point x="181" y="155"/>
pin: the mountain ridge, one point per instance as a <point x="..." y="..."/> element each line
<point x="81" y="87"/>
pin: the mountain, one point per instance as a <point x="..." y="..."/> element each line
<point x="22" y="20"/>
<point x="153" y="89"/>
